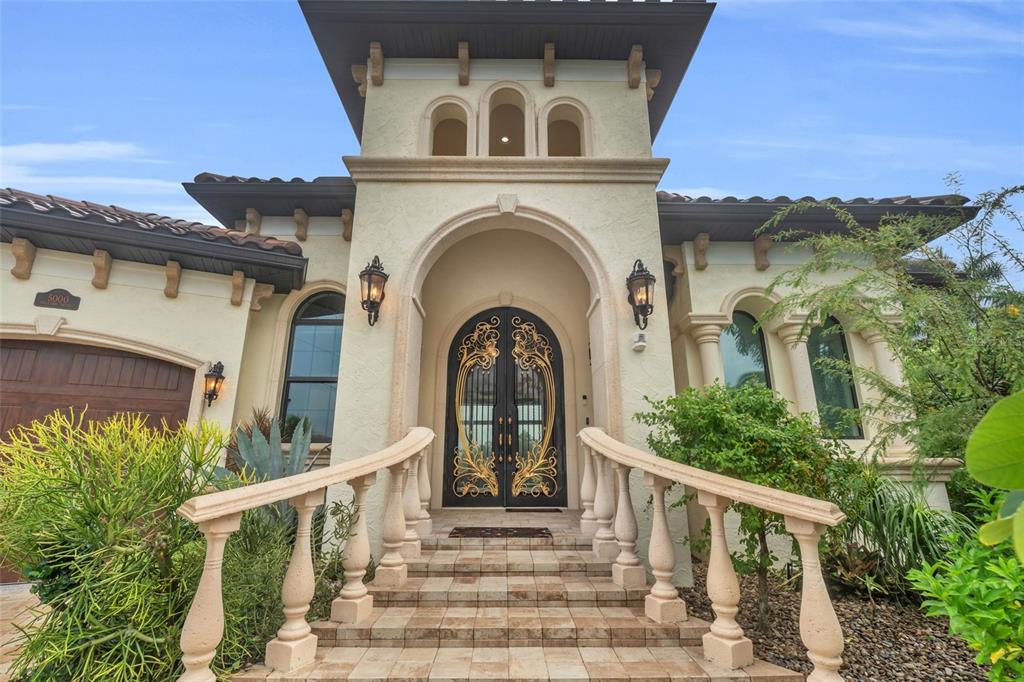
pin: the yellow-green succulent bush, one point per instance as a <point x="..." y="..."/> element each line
<point x="88" y="513"/>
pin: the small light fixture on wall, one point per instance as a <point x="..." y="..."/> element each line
<point x="640" y="285"/>
<point x="213" y="381"/>
<point x="371" y="288"/>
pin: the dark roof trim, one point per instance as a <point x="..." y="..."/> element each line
<point x="62" y="232"/>
<point x="227" y="197"/>
<point x="669" y="32"/>
<point x="731" y="219"/>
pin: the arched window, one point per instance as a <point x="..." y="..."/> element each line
<point x="448" y="130"/>
<point x="311" y="377"/>
<point x="743" y="352"/>
<point x="833" y="389"/>
<point x="565" y="131"/>
<point x="507" y="124"/>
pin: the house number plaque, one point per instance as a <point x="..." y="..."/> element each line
<point x="57" y="298"/>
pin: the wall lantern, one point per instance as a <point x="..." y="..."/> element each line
<point x="371" y="288"/>
<point x="640" y="285"/>
<point x="214" y="380"/>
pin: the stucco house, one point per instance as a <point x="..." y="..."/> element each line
<point x="496" y="264"/>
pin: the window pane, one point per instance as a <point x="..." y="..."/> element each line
<point x="315" y="401"/>
<point x="323" y="307"/>
<point x="743" y="352"/>
<point x="834" y="392"/>
<point x="316" y="350"/>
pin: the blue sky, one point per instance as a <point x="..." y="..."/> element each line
<point x="119" y="102"/>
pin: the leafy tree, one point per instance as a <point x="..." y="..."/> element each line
<point x="748" y="432"/>
<point x="955" y="327"/>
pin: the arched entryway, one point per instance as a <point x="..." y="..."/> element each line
<point x="504" y="440"/>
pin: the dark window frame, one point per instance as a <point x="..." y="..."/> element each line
<point x="296" y="322"/>
<point x="766" y="364"/>
<point x="832" y="323"/>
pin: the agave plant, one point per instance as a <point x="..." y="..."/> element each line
<point x="260" y="455"/>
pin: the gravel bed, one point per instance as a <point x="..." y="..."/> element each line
<point x="885" y="641"/>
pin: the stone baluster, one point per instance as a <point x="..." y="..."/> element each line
<point x="663" y="604"/>
<point x="626" y="571"/>
<point x="604" y="543"/>
<point x="354" y="603"/>
<point x="588" y="487"/>
<point x="204" y="625"/>
<point x="295" y="645"/>
<point x="725" y="644"/>
<point x="819" y="626"/>
<point x="411" y="546"/>
<point x="393" y="571"/>
<point x="425" y="525"/>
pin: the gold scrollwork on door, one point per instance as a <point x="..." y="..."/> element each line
<point x="473" y="468"/>
<point x="536" y="471"/>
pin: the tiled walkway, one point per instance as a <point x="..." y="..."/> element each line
<point x="15" y="602"/>
<point x="623" y="664"/>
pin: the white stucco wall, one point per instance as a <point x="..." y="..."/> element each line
<point x="200" y="326"/>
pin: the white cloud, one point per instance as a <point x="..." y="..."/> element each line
<point x="928" y="31"/>
<point x="66" y="152"/>
<point x="36" y="166"/>
<point x="896" y="151"/>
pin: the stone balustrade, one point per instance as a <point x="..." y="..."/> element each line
<point x="614" y="531"/>
<point x="219" y="514"/>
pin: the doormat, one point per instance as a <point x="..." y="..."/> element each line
<point x="536" y="510"/>
<point x="485" y="532"/>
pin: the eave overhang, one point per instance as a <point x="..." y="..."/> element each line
<point x="227" y="198"/>
<point x="59" y="233"/>
<point x="432" y="29"/>
<point x="739" y="222"/>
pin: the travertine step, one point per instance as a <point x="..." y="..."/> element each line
<point x="508" y="561"/>
<point x="621" y="664"/>
<point x="517" y="626"/>
<point x="508" y="590"/>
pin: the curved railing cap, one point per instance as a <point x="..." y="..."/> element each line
<point x="781" y="502"/>
<point x="215" y="505"/>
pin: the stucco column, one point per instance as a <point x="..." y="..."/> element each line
<point x="708" y="338"/>
<point x="799" y="367"/>
<point x="889" y="368"/>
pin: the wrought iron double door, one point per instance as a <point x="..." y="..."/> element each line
<point x="505" y="423"/>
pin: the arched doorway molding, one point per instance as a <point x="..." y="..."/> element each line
<point x="569" y="359"/>
<point x="406" y="368"/>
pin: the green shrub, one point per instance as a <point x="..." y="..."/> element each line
<point x="88" y="512"/>
<point x="891" y="532"/>
<point x="748" y="433"/>
<point x="981" y="590"/>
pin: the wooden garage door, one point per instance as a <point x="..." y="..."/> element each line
<point x="37" y="378"/>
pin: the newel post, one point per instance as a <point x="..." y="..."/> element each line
<point x="295" y="645"/>
<point x="393" y="571"/>
<point x="588" y="487"/>
<point x="663" y="604"/>
<point x="604" y="545"/>
<point x="819" y="626"/>
<point x="411" y="546"/>
<point x="204" y="625"/>
<point x="626" y="571"/>
<point x="725" y="644"/>
<point x="354" y="603"/>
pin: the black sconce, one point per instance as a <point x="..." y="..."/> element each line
<point x="371" y="288"/>
<point x="214" y="380"/>
<point x="640" y="285"/>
